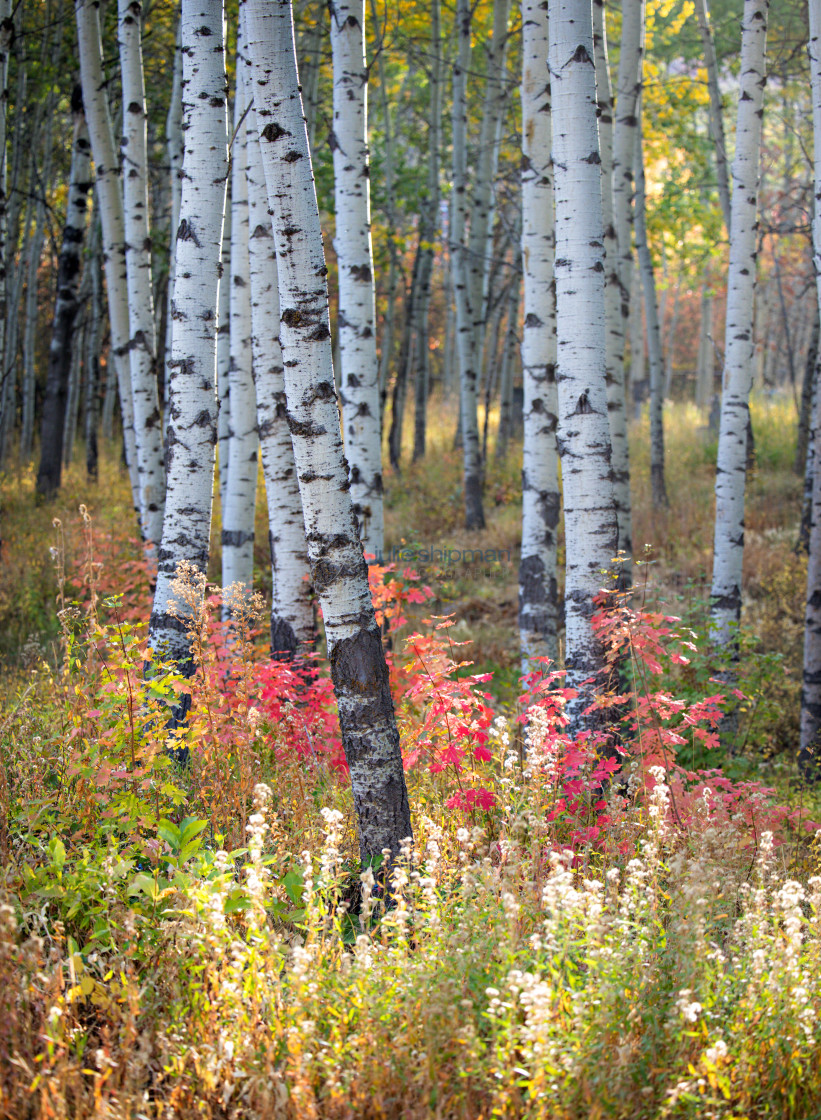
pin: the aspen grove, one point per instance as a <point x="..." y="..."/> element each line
<point x="410" y="559"/>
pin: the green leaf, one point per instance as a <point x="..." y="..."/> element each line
<point x="57" y="851"/>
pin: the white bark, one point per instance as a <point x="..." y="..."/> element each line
<point x="241" y="487"/>
<point x="174" y="144"/>
<point x="810" y="750"/>
<point x="541" y="501"/>
<point x="625" y="125"/>
<point x="591" y="526"/>
<point x="192" y="418"/>
<point x="292" y="613"/>
<point x="658" y="489"/>
<point x="705" y="365"/>
<point x="142" y="342"/>
<point x="460" y="271"/>
<point x="359" y="372"/>
<point x="360" y="678"/>
<point x="731" y="467"/>
<point x="483" y="172"/>
<point x="224" y="358"/>
<point x="109" y="197"/>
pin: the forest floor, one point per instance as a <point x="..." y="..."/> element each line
<point x="557" y="944"/>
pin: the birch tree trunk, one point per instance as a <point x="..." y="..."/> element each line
<point x="174" y="143"/>
<point x="482" y="178"/>
<point x="292" y="613"/>
<point x="615" y="306"/>
<point x="591" y="525"/>
<point x="142" y="341"/>
<point x="658" y="488"/>
<point x="460" y="271"/>
<point x="65" y="308"/>
<point x="807" y="388"/>
<point x="541" y="500"/>
<point x="670" y="347"/>
<point x="224" y="357"/>
<point x="74" y="379"/>
<point x="241" y="487"/>
<point x="192" y="422"/>
<point x="809" y="756"/>
<point x="625" y="126"/>
<point x="109" y="196"/>
<point x="429" y="229"/>
<point x="731" y="467"/>
<point x="358" y="670"/>
<point x="706" y="355"/>
<point x="359" y="373"/>
<point x="716" y="113"/>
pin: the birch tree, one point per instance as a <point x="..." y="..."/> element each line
<point x="109" y="197"/>
<point x="174" y="143"/>
<point x="614" y="306"/>
<point x="810" y="748"/>
<point x="192" y="421"/>
<point x="460" y="271"/>
<point x="292" y="613"/>
<point x="716" y="113"/>
<point x="731" y="467"/>
<point x="541" y="502"/>
<point x="241" y="484"/>
<point x="591" y="525"/>
<point x="358" y="670"/>
<point x="359" y="373"/>
<point x="658" y="488"/>
<point x="625" y="126"/>
<point x="66" y="306"/>
<point x="142" y="344"/>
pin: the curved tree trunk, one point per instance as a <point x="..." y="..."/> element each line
<point x="142" y="342"/>
<point x="541" y="500"/>
<point x="591" y="525"/>
<point x="359" y="373"/>
<point x="109" y="196"/>
<point x="192" y="422"/>
<point x="358" y="670"/>
<point x="731" y="468"/>
<point x="65" y="308"/>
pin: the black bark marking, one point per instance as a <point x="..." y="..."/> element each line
<point x="360" y="272"/>
<point x="581" y="55"/>
<point x="273" y="131"/>
<point x="236" y="538"/>
<point x="186" y="233"/>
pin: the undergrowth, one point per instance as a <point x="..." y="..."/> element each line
<point x="601" y="924"/>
